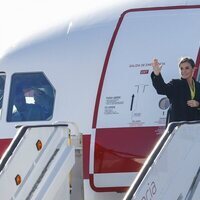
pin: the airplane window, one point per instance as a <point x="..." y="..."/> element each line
<point x="31" y="98"/>
<point x="2" y="84"/>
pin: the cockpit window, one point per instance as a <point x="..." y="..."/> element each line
<point x="2" y="84"/>
<point x="31" y="98"/>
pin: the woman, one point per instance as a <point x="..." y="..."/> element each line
<point x="183" y="94"/>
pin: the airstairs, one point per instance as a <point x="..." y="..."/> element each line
<point x="37" y="164"/>
<point x="172" y="170"/>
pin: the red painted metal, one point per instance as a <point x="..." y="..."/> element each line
<point x="86" y="155"/>
<point x="123" y="149"/>
<point x="197" y="64"/>
<point x="3" y="145"/>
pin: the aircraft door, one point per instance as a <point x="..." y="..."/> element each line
<point x="129" y="115"/>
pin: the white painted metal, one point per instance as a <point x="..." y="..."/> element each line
<point x="175" y="171"/>
<point x="76" y="58"/>
<point x="72" y="58"/>
<point x="52" y="165"/>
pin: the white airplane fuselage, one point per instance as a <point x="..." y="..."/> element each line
<point x="99" y="70"/>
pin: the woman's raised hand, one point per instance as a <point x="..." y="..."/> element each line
<point x="156" y="66"/>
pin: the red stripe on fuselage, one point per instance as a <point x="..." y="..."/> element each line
<point x="123" y="149"/>
<point x="4" y="143"/>
<point x="197" y="64"/>
<point x="86" y="155"/>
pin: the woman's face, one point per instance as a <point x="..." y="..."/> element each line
<point x="186" y="70"/>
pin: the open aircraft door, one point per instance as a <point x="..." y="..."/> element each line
<point x="129" y="116"/>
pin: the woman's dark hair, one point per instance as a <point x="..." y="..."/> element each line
<point x="188" y="60"/>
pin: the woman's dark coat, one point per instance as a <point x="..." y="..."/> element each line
<point x="178" y="92"/>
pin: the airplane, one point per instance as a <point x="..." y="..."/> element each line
<point x="94" y="72"/>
